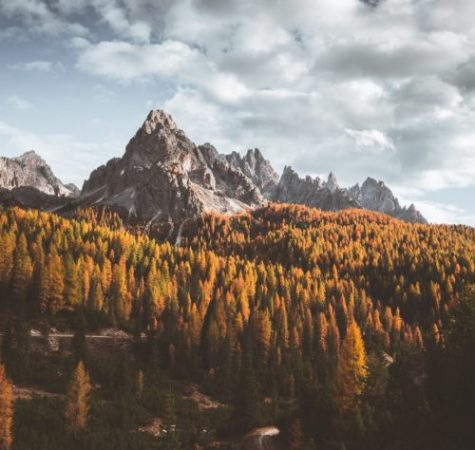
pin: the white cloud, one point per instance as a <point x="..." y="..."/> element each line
<point x="19" y="103"/>
<point x="70" y="158"/>
<point x="445" y="213"/>
<point x="38" y="66"/>
<point x="371" y="140"/>
<point x="39" y="18"/>
<point x="170" y="61"/>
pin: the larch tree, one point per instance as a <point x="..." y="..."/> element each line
<point x="77" y="399"/>
<point x="351" y="371"/>
<point x="22" y="273"/>
<point x="6" y="411"/>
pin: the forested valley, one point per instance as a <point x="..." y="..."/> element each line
<point x="346" y="330"/>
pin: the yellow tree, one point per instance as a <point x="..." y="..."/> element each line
<point x="351" y="371"/>
<point x="77" y="399"/>
<point x="6" y="411"/>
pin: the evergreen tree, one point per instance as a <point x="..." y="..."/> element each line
<point x="247" y="404"/>
<point x="77" y="399"/>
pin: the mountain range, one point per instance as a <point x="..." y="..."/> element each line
<point x="164" y="177"/>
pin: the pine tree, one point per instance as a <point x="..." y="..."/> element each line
<point x="247" y="409"/>
<point x="77" y="399"/>
<point x="351" y="371"/>
<point x="6" y="411"/>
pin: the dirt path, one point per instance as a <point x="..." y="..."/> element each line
<point x="28" y="392"/>
<point x="203" y="401"/>
<point x="260" y="439"/>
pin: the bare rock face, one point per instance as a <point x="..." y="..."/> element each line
<point x="30" y="170"/>
<point x="312" y="192"/>
<point x="372" y="195"/>
<point x="258" y="169"/>
<point x="376" y="196"/>
<point x="164" y="176"/>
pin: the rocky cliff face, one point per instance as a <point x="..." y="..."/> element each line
<point x="164" y="176"/>
<point x="30" y="170"/>
<point x="258" y="169"/>
<point x="312" y="192"/>
<point x="372" y="195"/>
<point x="376" y="196"/>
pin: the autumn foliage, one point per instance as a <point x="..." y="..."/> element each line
<point x="77" y="399"/>
<point x="6" y="411"/>
<point x="285" y="293"/>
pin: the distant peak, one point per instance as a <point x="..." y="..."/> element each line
<point x="371" y="181"/>
<point x="256" y="153"/>
<point x="288" y="171"/>
<point x="158" y="119"/>
<point x="332" y="183"/>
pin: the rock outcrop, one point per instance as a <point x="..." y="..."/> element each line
<point x="376" y="196"/>
<point x="258" y="169"/>
<point x="372" y="195"/>
<point x="163" y="176"/>
<point x="30" y="170"/>
<point x="312" y="192"/>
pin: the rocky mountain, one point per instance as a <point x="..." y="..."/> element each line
<point x="30" y="170"/>
<point x="257" y="169"/>
<point x="372" y="195"/>
<point x="163" y="176"/>
<point x="312" y="192"/>
<point x="376" y="196"/>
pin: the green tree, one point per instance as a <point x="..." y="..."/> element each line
<point x="247" y="404"/>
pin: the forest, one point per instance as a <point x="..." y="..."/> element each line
<point x="346" y="330"/>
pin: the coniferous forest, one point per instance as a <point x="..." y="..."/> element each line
<point x="346" y="330"/>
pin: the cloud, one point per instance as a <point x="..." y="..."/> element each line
<point x="38" y="66"/>
<point x="69" y="157"/>
<point x="371" y="140"/>
<point x="383" y="89"/>
<point x="19" y="103"/>
<point x="39" y="18"/>
<point x="445" y="213"/>
<point x="170" y="61"/>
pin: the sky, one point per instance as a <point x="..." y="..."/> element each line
<point x="362" y="88"/>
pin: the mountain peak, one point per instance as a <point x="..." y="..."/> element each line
<point x="164" y="176"/>
<point x="332" y="183"/>
<point x="30" y="170"/>
<point x="158" y="119"/>
<point x="30" y="155"/>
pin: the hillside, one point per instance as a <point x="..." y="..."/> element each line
<point x="267" y="294"/>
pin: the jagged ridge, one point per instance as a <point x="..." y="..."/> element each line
<point x="163" y="176"/>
